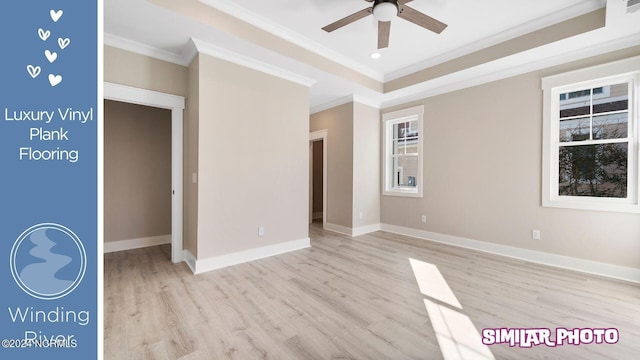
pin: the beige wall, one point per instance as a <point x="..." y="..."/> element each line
<point x="253" y="159"/>
<point x="366" y="165"/>
<point x="137" y="171"/>
<point x="208" y="15"/>
<point x="317" y="176"/>
<point x="482" y="169"/>
<point x="191" y="118"/>
<point x="353" y="162"/>
<point x="127" y="68"/>
<point x="338" y="122"/>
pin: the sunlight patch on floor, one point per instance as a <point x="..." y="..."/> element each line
<point x="457" y="337"/>
<point x="432" y="284"/>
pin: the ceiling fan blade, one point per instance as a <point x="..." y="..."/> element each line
<point x="421" y="19"/>
<point x="399" y="1"/>
<point x="348" y="20"/>
<point x="384" y="28"/>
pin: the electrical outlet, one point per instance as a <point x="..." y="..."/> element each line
<point x="260" y="230"/>
<point x="535" y="234"/>
<point x="424" y="218"/>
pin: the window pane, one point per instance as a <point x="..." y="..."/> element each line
<point x="411" y="148"/>
<point x="398" y="147"/>
<point x="405" y="171"/>
<point x="613" y="126"/>
<point x="574" y="129"/>
<point x="617" y="99"/>
<point x="593" y="170"/>
<point x="575" y="103"/>
<point x="405" y="129"/>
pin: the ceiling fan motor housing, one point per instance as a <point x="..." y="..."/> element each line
<point x="385" y="10"/>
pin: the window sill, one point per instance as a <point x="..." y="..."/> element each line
<point x="593" y="206"/>
<point x="403" y="193"/>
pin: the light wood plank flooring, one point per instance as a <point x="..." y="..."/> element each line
<point x="349" y="298"/>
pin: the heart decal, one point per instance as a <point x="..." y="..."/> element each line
<point x="51" y="56"/>
<point x="34" y="71"/>
<point x="55" y="15"/>
<point x="44" y="34"/>
<point x="55" y="79"/>
<point x="63" y="43"/>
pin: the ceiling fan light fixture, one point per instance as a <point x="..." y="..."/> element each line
<point x="385" y="10"/>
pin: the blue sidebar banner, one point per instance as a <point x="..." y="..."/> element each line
<point x="49" y="186"/>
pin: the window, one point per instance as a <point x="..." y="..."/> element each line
<point x="591" y="134"/>
<point x="402" y="131"/>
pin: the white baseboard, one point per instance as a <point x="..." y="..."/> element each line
<point x="188" y="258"/>
<point x="361" y="230"/>
<point x="120" y="245"/>
<point x="560" y="261"/>
<point x="338" y="229"/>
<point x="218" y="262"/>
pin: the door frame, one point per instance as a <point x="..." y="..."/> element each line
<point x="313" y="137"/>
<point x="174" y="103"/>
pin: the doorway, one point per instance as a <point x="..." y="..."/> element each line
<point x="318" y="177"/>
<point x="128" y="94"/>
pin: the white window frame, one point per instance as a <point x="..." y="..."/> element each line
<point x="627" y="70"/>
<point x="388" y="120"/>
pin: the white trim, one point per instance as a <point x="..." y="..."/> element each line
<point x="517" y="64"/>
<point x="626" y="70"/>
<point x="389" y="119"/>
<point x="273" y="28"/>
<point x="121" y="245"/>
<point x="352" y="232"/>
<point x="240" y="257"/>
<point x="316" y="136"/>
<point x="345" y="100"/>
<point x="594" y="72"/>
<point x="331" y="104"/>
<point x="143" y="49"/>
<point x="575" y="10"/>
<point x="343" y="230"/>
<point x="539" y="257"/>
<point x="251" y="63"/>
<point x="366" y="101"/>
<point x="190" y="260"/>
<point x="133" y="95"/>
<point x="366" y="229"/>
<point x="174" y="103"/>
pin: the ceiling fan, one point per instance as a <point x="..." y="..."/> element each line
<point x="386" y="10"/>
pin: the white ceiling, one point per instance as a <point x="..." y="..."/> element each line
<point x="143" y="27"/>
<point x="470" y="22"/>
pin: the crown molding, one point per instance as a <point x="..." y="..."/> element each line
<point x="331" y="104"/>
<point x="195" y="46"/>
<point x="361" y="99"/>
<point x="579" y="9"/>
<point x="356" y="98"/>
<point x="246" y="61"/>
<point x="517" y="64"/>
<point x="273" y="28"/>
<point x="143" y="49"/>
